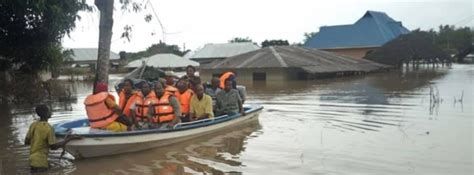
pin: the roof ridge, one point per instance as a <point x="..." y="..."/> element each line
<point x="278" y="57"/>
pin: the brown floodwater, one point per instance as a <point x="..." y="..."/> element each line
<point x="384" y="123"/>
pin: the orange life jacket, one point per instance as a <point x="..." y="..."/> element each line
<point x="164" y="112"/>
<point x="125" y="104"/>
<point x="223" y="78"/>
<point x="97" y="111"/>
<point x="141" y="110"/>
<point x="185" y="100"/>
<point x="172" y="90"/>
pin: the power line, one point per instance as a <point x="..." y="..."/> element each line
<point x="158" y="19"/>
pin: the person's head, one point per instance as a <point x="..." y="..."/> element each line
<point x="193" y="82"/>
<point x="199" y="90"/>
<point x="101" y="87"/>
<point x="190" y="70"/>
<point x="228" y="85"/>
<point x="215" y="82"/>
<point x="128" y="85"/>
<point x="234" y="82"/>
<point x="145" y="87"/>
<point x="163" y="81"/>
<point x="159" y="88"/>
<point x="182" y="85"/>
<point x="43" y="112"/>
<point x="169" y="77"/>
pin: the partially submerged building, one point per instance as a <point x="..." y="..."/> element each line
<point x="87" y="57"/>
<point x="213" y="52"/>
<point x="165" y="61"/>
<point x="276" y="63"/>
<point x="356" y="40"/>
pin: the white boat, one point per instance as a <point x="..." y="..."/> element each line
<point x="96" y="143"/>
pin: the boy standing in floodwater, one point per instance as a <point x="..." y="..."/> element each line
<point x="41" y="138"/>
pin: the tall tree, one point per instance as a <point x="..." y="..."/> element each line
<point x="106" y="8"/>
<point x="31" y="32"/>
<point x="414" y="46"/>
<point x="457" y="41"/>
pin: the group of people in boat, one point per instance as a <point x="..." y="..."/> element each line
<point x="163" y="103"/>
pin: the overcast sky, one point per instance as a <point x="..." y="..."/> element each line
<point x="194" y="23"/>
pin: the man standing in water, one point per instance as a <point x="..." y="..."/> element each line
<point x="41" y="138"/>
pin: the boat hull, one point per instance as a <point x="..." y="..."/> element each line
<point x="103" y="146"/>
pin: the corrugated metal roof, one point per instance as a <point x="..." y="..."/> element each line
<point x="311" y="60"/>
<point x="90" y="54"/>
<point x="163" y="61"/>
<point x="372" y="30"/>
<point x="223" y="50"/>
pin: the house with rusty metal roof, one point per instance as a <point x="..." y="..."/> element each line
<point x="276" y="63"/>
<point x="212" y="52"/>
<point x="356" y="40"/>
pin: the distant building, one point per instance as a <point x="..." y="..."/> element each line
<point x="277" y="63"/>
<point x="166" y="61"/>
<point x="356" y="40"/>
<point x="87" y="57"/>
<point x="212" y="52"/>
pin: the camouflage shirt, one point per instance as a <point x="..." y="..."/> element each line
<point x="228" y="101"/>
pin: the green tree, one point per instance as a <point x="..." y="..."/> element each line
<point x="414" y="46"/>
<point x="160" y="47"/>
<point x="457" y="41"/>
<point x="240" y="40"/>
<point x="308" y="36"/>
<point x="31" y="32"/>
<point x="280" y="42"/>
<point x="106" y="8"/>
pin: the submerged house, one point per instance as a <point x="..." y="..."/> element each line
<point x="356" y="40"/>
<point x="276" y="63"/>
<point x="87" y="57"/>
<point x="166" y="61"/>
<point x="212" y="52"/>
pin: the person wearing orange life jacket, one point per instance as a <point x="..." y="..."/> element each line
<point x="169" y="88"/>
<point x="184" y="97"/>
<point x="224" y="77"/>
<point x="141" y="107"/>
<point x="167" y="111"/>
<point x="232" y="77"/>
<point x="103" y="112"/>
<point x="127" y="96"/>
<point x="191" y="77"/>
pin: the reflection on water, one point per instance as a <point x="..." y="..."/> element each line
<point x="215" y="153"/>
<point x="383" y="123"/>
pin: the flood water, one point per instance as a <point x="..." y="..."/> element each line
<point x="382" y="123"/>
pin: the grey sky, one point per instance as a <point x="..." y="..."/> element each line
<point x="197" y="22"/>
